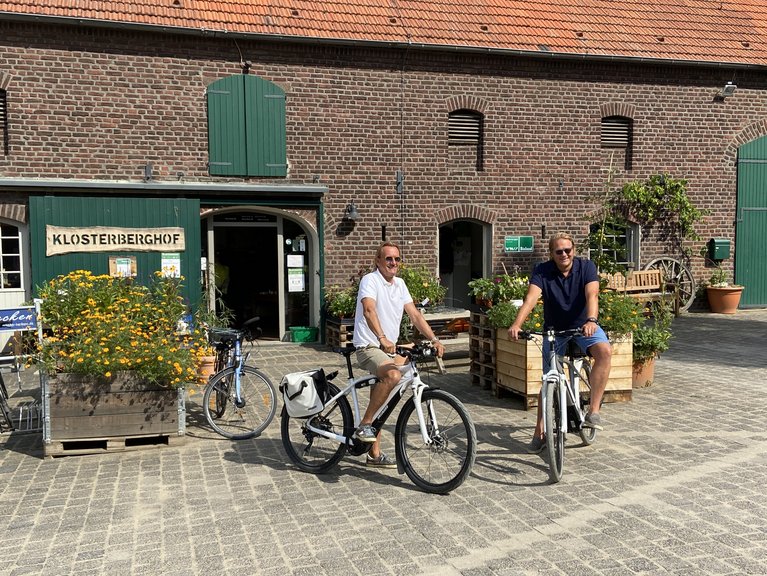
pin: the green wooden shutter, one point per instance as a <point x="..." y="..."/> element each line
<point x="226" y="127"/>
<point x="265" y="116"/>
<point x="246" y="127"/>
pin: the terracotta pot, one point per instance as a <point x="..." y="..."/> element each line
<point x="206" y="368"/>
<point x="724" y="300"/>
<point x="643" y="373"/>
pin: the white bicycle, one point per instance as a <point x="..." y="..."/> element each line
<point x="565" y="396"/>
<point x="435" y="440"/>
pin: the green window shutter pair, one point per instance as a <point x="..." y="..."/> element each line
<point x="246" y="127"/>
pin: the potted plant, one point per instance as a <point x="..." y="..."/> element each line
<point x="483" y="290"/>
<point x="203" y="320"/>
<point x="723" y="297"/>
<point x="650" y="339"/>
<point x="113" y="360"/>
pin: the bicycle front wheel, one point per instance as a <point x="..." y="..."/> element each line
<point x="555" y="434"/>
<point x="588" y="435"/>
<point x="241" y="418"/>
<point x="442" y="464"/>
<point x="310" y="451"/>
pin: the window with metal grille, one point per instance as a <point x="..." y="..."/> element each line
<point x="10" y="257"/>
<point x="4" y="122"/>
<point x="466" y="128"/>
<point x="620" y="244"/>
<point x="618" y="132"/>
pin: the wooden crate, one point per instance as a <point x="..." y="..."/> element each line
<point x="339" y="332"/>
<point x="83" y="415"/>
<point x="519" y="369"/>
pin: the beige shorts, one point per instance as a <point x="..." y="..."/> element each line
<point x="371" y="358"/>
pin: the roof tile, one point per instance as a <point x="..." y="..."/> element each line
<point x="695" y="30"/>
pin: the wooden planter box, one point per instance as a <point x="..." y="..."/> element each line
<point x="519" y="369"/>
<point x="82" y="415"/>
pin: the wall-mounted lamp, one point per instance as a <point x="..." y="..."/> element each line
<point x="351" y="212"/>
<point x="728" y="90"/>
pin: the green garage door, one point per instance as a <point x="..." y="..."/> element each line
<point x="751" y="226"/>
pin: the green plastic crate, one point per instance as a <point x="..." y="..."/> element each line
<point x="304" y="333"/>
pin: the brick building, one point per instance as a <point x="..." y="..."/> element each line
<point x="255" y="128"/>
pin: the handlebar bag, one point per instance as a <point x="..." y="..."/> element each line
<point x="304" y="392"/>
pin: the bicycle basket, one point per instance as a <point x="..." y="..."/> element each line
<point x="221" y="335"/>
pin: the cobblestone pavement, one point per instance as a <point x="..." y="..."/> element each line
<point x="674" y="485"/>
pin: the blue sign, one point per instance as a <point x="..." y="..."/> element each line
<point x="18" y="319"/>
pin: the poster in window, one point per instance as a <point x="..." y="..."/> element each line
<point x="296" y="280"/>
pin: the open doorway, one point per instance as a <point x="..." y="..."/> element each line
<point x="463" y="255"/>
<point x="263" y="264"/>
<point x="248" y="258"/>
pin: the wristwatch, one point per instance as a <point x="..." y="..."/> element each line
<point x="592" y="319"/>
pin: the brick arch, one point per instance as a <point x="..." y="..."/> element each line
<point x="15" y="212"/>
<point x="466" y="102"/>
<point x="465" y="212"/>
<point x="617" y="109"/>
<point x="750" y="133"/>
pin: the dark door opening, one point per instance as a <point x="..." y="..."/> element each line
<point x="461" y="258"/>
<point x="250" y="253"/>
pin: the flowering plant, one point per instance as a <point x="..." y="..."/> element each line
<point x="652" y="336"/>
<point x="500" y="288"/>
<point x="503" y="314"/>
<point x="619" y="314"/>
<point x="422" y="285"/>
<point x="99" y="325"/>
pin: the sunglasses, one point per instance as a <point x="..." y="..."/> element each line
<point x="392" y="259"/>
<point x="563" y="251"/>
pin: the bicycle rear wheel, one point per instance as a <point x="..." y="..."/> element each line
<point x="555" y="434"/>
<point x="442" y="465"/>
<point x="247" y="417"/>
<point x="588" y="435"/>
<point x="309" y="451"/>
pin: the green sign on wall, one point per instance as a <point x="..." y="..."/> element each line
<point x="518" y="244"/>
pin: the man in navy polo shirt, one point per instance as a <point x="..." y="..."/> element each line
<point x="570" y="290"/>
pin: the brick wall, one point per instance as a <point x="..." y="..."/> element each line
<point x="100" y="104"/>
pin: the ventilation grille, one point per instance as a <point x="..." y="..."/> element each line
<point x="464" y="128"/>
<point x="616" y="132"/>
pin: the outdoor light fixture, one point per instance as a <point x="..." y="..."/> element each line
<point x="351" y="212"/>
<point x="728" y="90"/>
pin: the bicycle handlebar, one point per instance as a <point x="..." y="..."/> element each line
<point x="528" y="334"/>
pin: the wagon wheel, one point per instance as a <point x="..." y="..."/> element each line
<point x="677" y="273"/>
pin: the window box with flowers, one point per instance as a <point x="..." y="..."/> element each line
<point x="113" y="362"/>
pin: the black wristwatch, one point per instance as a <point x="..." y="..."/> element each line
<point x="592" y="319"/>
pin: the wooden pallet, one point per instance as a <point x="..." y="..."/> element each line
<point x="339" y="332"/>
<point x="81" y="446"/>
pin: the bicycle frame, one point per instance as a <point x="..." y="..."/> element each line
<point x="569" y="390"/>
<point x="410" y="378"/>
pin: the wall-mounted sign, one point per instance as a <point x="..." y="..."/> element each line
<point x="122" y="266"/>
<point x="63" y="240"/>
<point x="170" y="264"/>
<point x="518" y="244"/>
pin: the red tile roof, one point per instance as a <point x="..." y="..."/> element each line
<point x="691" y="30"/>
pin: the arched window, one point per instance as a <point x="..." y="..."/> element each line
<point x="466" y="129"/>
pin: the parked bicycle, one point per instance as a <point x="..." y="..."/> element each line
<point x="435" y="440"/>
<point x="564" y="395"/>
<point x="239" y="400"/>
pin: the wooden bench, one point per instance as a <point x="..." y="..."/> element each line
<point x="645" y="286"/>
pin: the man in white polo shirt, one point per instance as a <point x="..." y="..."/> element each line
<point x="381" y="300"/>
